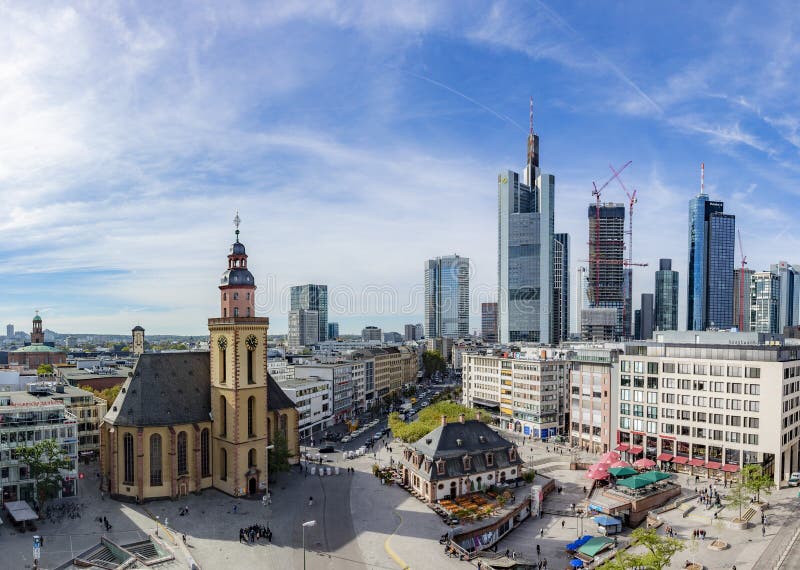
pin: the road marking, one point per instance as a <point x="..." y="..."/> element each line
<point x="390" y="551"/>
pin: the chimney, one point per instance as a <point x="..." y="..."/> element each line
<point x="444" y="420"/>
<point x="478" y="415"/>
<point x="462" y="418"/>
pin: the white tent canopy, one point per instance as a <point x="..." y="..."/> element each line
<point x="21" y="511"/>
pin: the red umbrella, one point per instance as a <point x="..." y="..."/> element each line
<point x="644" y="463"/>
<point x="597" y="474"/>
<point x="603" y="467"/>
<point x="610" y="456"/>
<point x="620" y="464"/>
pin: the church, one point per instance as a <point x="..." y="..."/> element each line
<point x="37" y="352"/>
<point x="188" y="421"/>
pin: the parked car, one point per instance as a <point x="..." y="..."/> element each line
<point x="346" y="438"/>
<point x="327" y="449"/>
<point x="794" y="479"/>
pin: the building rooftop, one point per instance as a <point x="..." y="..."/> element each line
<point x="37" y="348"/>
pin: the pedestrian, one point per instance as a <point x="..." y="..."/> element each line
<point x="541" y="532"/>
<point x="538" y="550"/>
<point x="507" y="552"/>
<point x="235" y="508"/>
<point x="763" y="531"/>
<point x="563" y="522"/>
<point x="311" y="501"/>
<point x="544" y="564"/>
<point x="184" y="538"/>
<point x="264" y="501"/>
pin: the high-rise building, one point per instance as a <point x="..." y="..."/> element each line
<point x="392" y="337"/>
<point x="580" y="298"/>
<point x="447" y="297"/>
<point x="526" y="219"/>
<point x="9" y="331"/>
<point x="411" y="332"/>
<point x="741" y="298"/>
<point x="560" y="288"/>
<point x="711" y="250"/>
<point x="489" y="322"/>
<point x="607" y="282"/>
<point x="790" y="293"/>
<point x="312" y="298"/>
<point x="303" y="328"/>
<point x="765" y="302"/>
<point x="333" y="331"/>
<point x="666" y="302"/>
<point x="646" y="318"/>
<point x="371" y="333"/>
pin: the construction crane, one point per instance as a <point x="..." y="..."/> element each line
<point x="741" y="283"/>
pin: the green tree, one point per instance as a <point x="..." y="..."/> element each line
<point x="757" y="481"/>
<point x="739" y="496"/>
<point x="45" y="460"/>
<point x="622" y="561"/>
<point x="44" y="369"/>
<point x="660" y="549"/>
<point x="108" y="394"/>
<point x="433" y="362"/>
<point x="428" y="419"/>
<point x="279" y="455"/>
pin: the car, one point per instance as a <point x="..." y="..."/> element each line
<point x="794" y="479"/>
<point x="346" y="438"/>
<point x="327" y="449"/>
<point x="377" y="436"/>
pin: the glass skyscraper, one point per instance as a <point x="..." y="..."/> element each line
<point x="790" y="294"/>
<point x="312" y="298"/>
<point x="447" y="297"/>
<point x="666" y="301"/>
<point x="765" y="302"/>
<point x="526" y="219"/>
<point x="712" y="238"/>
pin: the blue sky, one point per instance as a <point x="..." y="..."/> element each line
<point x="359" y="139"/>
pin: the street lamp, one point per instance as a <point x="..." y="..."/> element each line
<point x="306" y="524"/>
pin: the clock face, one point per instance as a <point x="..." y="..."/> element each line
<point x="251" y="341"/>
<point x="222" y="343"/>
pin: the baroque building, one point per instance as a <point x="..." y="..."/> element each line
<point x="187" y="421"/>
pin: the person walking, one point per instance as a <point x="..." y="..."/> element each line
<point x="311" y="501"/>
<point x="563" y="522"/>
<point x="541" y="532"/>
<point x="538" y="550"/>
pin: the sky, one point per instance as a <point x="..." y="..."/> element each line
<point x="358" y="139"/>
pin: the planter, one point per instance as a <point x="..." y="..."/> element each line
<point x="718" y="545"/>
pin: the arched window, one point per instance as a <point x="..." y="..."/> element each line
<point x="224" y="311"/>
<point x="223" y="416"/>
<point x="183" y="468"/>
<point x="155" y="460"/>
<point x="205" y="463"/>
<point x="235" y="296"/>
<point x="236" y="311"/>
<point x="282" y="426"/>
<point x="223" y="464"/>
<point x="251" y="412"/>
<point x="127" y="453"/>
<point x="248" y="311"/>
<point x="250" y="364"/>
<point x="251" y="458"/>
<point x="223" y="365"/>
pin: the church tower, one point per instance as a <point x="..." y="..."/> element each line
<point x="37" y="334"/>
<point x="238" y="345"/>
<point x="137" y="340"/>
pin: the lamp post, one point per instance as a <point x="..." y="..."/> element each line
<point x="306" y="524"/>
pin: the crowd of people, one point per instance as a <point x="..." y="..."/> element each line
<point x="253" y="533"/>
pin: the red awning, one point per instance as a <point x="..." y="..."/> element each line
<point x="635" y="450"/>
<point x="680" y="460"/>
<point x="730" y="468"/>
<point x="713" y="465"/>
<point x="696" y="462"/>
<point x="622" y="447"/>
<point x="664" y="457"/>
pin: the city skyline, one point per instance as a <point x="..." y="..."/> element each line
<point x="110" y="159"/>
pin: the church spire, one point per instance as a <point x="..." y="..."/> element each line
<point x="236" y="222"/>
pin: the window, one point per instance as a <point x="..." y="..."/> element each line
<point x="250" y="367"/>
<point x="223" y="464"/>
<point x="751" y="438"/>
<point x="625" y="381"/>
<point x="652" y="412"/>
<point x="638" y="425"/>
<point x="223" y="366"/>
<point x="717" y="370"/>
<point x="668" y="382"/>
<point x="625" y="395"/>
<point x="732" y="436"/>
<point x="638" y="410"/>
<point x="750" y="372"/>
<point x="235" y="296"/>
<point x="652" y="367"/>
<point x="751" y="423"/>
<point x="751" y="405"/>
<point x="684" y="368"/>
<point x="223" y="416"/>
<point x="638" y="366"/>
<point x="668" y="428"/>
<point x="155" y="460"/>
<point x="236" y="311"/>
<point x="182" y="465"/>
<point x="684" y="384"/>
<point x="667" y="398"/>
<point x="205" y="463"/>
<point x="752" y="389"/>
<point x="251" y="458"/>
<point x="699" y="368"/>
<point x="734" y="421"/>
<point x="734" y="404"/>
<point x="467" y="463"/>
<point x="489" y="459"/>
<point x="651" y="427"/>
<point x="625" y="409"/>
<point x="668" y="367"/>
<point x="638" y="381"/>
<point x="652" y="397"/>
<point x="652" y="383"/>
<point x="440" y="467"/>
<point x="638" y="396"/>
<point x="251" y="410"/>
<point x="734" y="388"/>
<point x="625" y="423"/>
<point x="127" y="453"/>
<point x="625" y="365"/>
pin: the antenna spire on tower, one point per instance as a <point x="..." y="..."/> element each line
<point x="702" y="178"/>
<point x="236" y="221"/>
<point x="531" y="116"/>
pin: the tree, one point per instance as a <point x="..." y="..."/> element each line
<point x="108" y="394"/>
<point x="739" y="496"/>
<point x="45" y="460"/>
<point x="279" y="455"/>
<point x="660" y="549"/>
<point x="44" y="369"/>
<point x="622" y="561"/>
<point x="757" y="481"/>
<point x="433" y="362"/>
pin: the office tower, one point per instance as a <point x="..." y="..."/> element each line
<point x="312" y="298"/>
<point x="580" y="298"/>
<point x="333" y="331"/>
<point x="371" y="333"/>
<point x="560" y="289"/>
<point x="410" y="332"/>
<point x="525" y="250"/>
<point x="392" y="337"/>
<point x="447" y="297"/>
<point x="607" y="282"/>
<point x="489" y="322"/>
<point x="711" y="250"/>
<point x="666" y="302"/>
<point x="765" y="302"/>
<point x="637" y="324"/>
<point x="9" y="331"/>
<point x="647" y="317"/>
<point x="741" y="296"/>
<point x="790" y="294"/>
<point x="419" y="331"/>
<point x="303" y="328"/>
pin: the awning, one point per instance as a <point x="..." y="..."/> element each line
<point x="622" y="447"/>
<point x="596" y="545"/>
<point x="680" y="460"/>
<point x="580" y="542"/>
<point x="635" y="450"/>
<point x="730" y="468"/>
<point x="696" y="462"/>
<point x="713" y="465"/>
<point x="605" y="520"/>
<point x="664" y="457"/>
<point x="20" y="511"/>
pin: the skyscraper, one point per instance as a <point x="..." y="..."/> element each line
<point x="646" y="317"/>
<point x="303" y="328"/>
<point x="580" y="298"/>
<point x="447" y="297"/>
<point x="560" y="305"/>
<point x="711" y="249"/>
<point x="312" y="298"/>
<point x="607" y="282"/>
<point x="526" y="221"/>
<point x="741" y="295"/>
<point x="666" y="302"/>
<point x="489" y="322"/>
<point x="9" y="331"/>
<point x="371" y="332"/>
<point x="789" y="310"/>
<point x="765" y="301"/>
<point x="333" y="331"/>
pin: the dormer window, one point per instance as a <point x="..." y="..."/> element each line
<point x="440" y="467"/>
<point x="512" y="454"/>
<point x="490" y="459"/>
<point x="427" y="465"/>
<point x="467" y="463"/>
